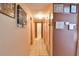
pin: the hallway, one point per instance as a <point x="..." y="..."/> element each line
<point x="38" y="48"/>
<point x="39" y="29"/>
<point x="19" y="27"/>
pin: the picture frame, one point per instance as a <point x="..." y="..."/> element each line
<point x="21" y="17"/>
<point x="58" y="8"/>
<point x="67" y="9"/>
<point x="8" y="9"/>
<point x="60" y="25"/>
<point x="72" y="26"/>
<point x="73" y="8"/>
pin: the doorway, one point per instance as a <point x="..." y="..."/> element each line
<point x="38" y="30"/>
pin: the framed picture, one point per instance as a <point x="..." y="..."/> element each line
<point x="21" y="16"/>
<point x="67" y="10"/>
<point x="73" y="8"/>
<point x="8" y="9"/>
<point x="58" y="8"/>
<point x="60" y="25"/>
<point x="72" y="27"/>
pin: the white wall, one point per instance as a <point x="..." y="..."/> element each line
<point x="13" y="40"/>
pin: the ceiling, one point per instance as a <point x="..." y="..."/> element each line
<point x="34" y="7"/>
<point x="39" y="7"/>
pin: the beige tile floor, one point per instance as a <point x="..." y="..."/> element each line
<point x="38" y="48"/>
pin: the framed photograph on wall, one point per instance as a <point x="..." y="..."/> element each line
<point x="21" y="16"/>
<point x="72" y="27"/>
<point x="58" y="8"/>
<point x="73" y="8"/>
<point x="60" y="25"/>
<point x="8" y="9"/>
<point x="67" y="9"/>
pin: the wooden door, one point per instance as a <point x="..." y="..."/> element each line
<point x="64" y="40"/>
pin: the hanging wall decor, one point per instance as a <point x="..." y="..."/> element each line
<point x="73" y="8"/>
<point x="8" y="9"/>
<point x="21" y="16"/>
<point x="60" y="25"/>
<point x="58" y="8"/>
<point x="67" y="10"/>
